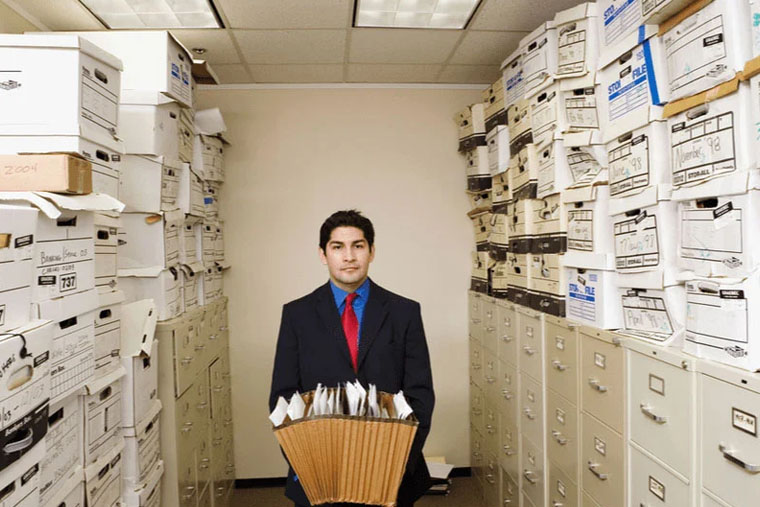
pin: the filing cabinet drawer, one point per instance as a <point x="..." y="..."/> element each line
<point x="602" y="462"/>
<point x="729" y="436"/>
<point x="526" y="500"/>
<point x="562" y="432"/>
<point x="532" y="410"/>
<point x="203" y="400"/>
<point x="204" y="461"/>
<point x="509" y="394"/>
<point x="509" y="454"/>
<point x="653" y="484"/>
<point x="506" y="329"/>
<point x="510" y="493"/>
<point x="588" y="501"/>
<point x="531" y="340"/>
<point x="477" y="458"/>
<point x="205" y="498"/>
<point x="491" y="429"/>
<point x="476" y="363"/>
<point x="491" y="480"/>
<point x="476" y="316"/>
<point x="477" y="406"/>
<point x="709" y="501"/>
<point x="602" y="380"/>
<point x="533" y="470"/>
<point x="662" y="410"/>
<point x="490" y="376"/>
<point x="562" y="358"/>
<point x="187" y="483"/>
<point x="489" y="325"/>
<point x="563" y="492"/>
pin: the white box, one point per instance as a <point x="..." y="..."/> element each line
<point x="208" y="242"/>
<point x="590" y="241"/>
<point x="577" y="45"/>
<point x="211" y="162"/>
<point x="71" y="493"/>
<point x="519" y="272"/>
<point x="150" y="239"/>
<point x="103" y="478"/>
<point x="721" y="316"/>
<point x="540" y="60"/>
<point x="219" y="268"/>
<point x="102" y="417"/>
<point x="495" y="110"/>
<point x="153" y="60"/>
<point x="150" y="184"/>
<point x="82" y="99"/>
<point x="108" y="333"/>
<point x="519" y="125"/>
<point x="190" y="198"/>
<point x="150" y="123"/>
<point x="142" y="449"/>
<point x="521" y="227"/>
<point x="150" y="494"/>
<point x="498" y="240"/>
<point x="161" y="285"/>
<point x="658" y="11"/>
<point x="617" y="19"/>
<point x="477" y="170"/>
<point x="654" y="314"/>
<point x="189" y="240"/>
<point x="479" y="272"/>
<point x="586" y="158"/>
<point x="512" y="74"/>
<point x="645" y="232"/>
<point x="706" y="47"/>
<point x="545" y="114"/>
<point x="754" y="19"/>
<point x="472" y="127"/>
<point x="192" y="284"/>
<point x="219" y="242"/>
<point x="139" y="359"/>
<point x="187" y="135"/>
<point x="592" y="297"/>
<point x="72" y="359"/>
<point x="500" y="280"/>
<point x="498" y="150"/>
<point x="20" y="482"/>
<point x="17" y="228"/>
<point x="579" y="102"/>
<point x="711" y="136"/>
<point x="553" y="171"/>
<point x="639" y="159"/>
<point x="634" y="83"/>
<point x="501" y="192"/>
<point x="547" y="274"/>
<point x="523" y="172"/>
<point x="63" y="443"/>
<point x="479" y="201"/>
<point x="106" y="244"/>
<point x="549" y="225"/>
<point x="211" y="194"/>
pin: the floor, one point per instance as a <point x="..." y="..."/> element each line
<point x="463" y="494"/>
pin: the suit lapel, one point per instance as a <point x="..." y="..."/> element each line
<point x="375" y="313"/>
<point x="328" y="312"/>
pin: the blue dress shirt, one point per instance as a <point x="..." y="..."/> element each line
<point x="362" y="295"/>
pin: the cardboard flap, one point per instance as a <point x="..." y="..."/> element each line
<point x="583" y="138"/>
<point x="626" y="44"/>
<point x="690" y="9"/>
<point x="649" y="197"/>
<point x="92" y="471"/>
<point x="50" y="204"/>
<point x="733" y="184"/>
<point x="110" y="298"/>
<point x="210" y="122"/>
<point x="581" y="194"/>
<point x="174" y="216"/>
<point x="151" y="482"/>
<point x="76" y="477"/>
<point x="138" y="326"/>
<point x="152" y="412"/>
<point x="107" y="221"/>
<point x="144" y="97"/>
<point x="150" y="272"/>
<point x="223" y="265"/>
<point x="63" y="308"/>
<point x="30" y="197"/>
<point x="578" y="12"/>
<point x="95" y="385"/>
<point x="203" y="73"/>
<point x="681" y="105"/>
<point x="574" y="83"/>
<point x="540" y="29"/>
<point x="195" y="268"/>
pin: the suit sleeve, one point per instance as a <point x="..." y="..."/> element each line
<point x="286" y="376"/>
<point x="418" y="381"/>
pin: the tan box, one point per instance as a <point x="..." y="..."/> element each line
<point x="63" y="173"/>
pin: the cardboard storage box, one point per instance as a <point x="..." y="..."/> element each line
<point x="481" y="224"/>
<point x="478" y="275"/>
<point x="546" y="117"/>
<point x="161" y="285"/>
<point x="514" y="82"/>
<point x="498" y="240"/>
<point x="721" y="316"/>
<point x="190" y="240"/>
<point x="523" y="172"/>
<point x="142" y="449"/>
<point x="547" y="274"/>
<point x="500" y="279"/>
<point x="518" y="278"/>
<point x="71" y="493"/>
<point x="192" y="285"/>
<point x="586" y="158"/>
<point x="208" y="241"/>
<point x="478" y="172"/>
<point x="577" y="45"/>
<point x="20" y="482"/>
<point x="654" y="314"/>
<point x="18" y="225"/>
<point x="108" y="333"/>
<point x="67" y="174"/>
<point x="617" y="19"/>
<point x="153" y="60"/>
<point x="106" y="161"/>
<point x="521" y="228"/>
<point x="72" y="359"/>
<point x="540" y="60"/>
<point x="150" y="123"/>
<point x="553" y="171"/>
<point x="472" y="127"/>
<point x="106" y="244"/>
<point x="186" y="135"/>
<point x="661" y="10"/>
<point x="25" y="393"/>
<point x="211" y="196"/>
<point x="479" y="201"/>
<point x="219" y="242"/>
<point x="495" y="111"/>
<point x="520" y="126"/>
<point x="103" y="478"/>
<point x="138" y="357"/>
<point x="498" y="149"/>
<point x="639" y="159"/>
<point x="710" y="136"/>
<point x="634" y="80"/>
<point x="102" y="417"/>
<point x="150" y="184"/>
<point x="706" y="44"/>
<point x="590" y="239"/>
<point x="208" y="157"/>
<point x="82" y="99"/>
<point x="63" y="443"/>
<point x="150" y="239"/>
<point x="592" y="298"/>
<point x="149" y="493"/>
<point x="579" y="98"/>
<point x="501" y="192"/>
<point x="754" y="7"/>
<point x="549" y="225"/>
<point x="219" y="268"/>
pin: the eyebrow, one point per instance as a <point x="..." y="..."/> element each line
<point x="336" y="242"/>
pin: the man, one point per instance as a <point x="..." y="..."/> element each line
<point x="351" y="328"/>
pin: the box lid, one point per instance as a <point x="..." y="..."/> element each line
<point x="671" y="22"/>
<point x="75" y="480"/>
<point x="154" y="477"/>
<point x="138" y="326"/>
<point x="626" y="44"/>
<point x="587" y="80"/>
<point x="110" y="298"/>
<point x="733" y="184"/>
<point x="92" y="471"/>
<point x="195" y="268"/>
<point x="96" y="385"/>
<point x="582" y="194"/>
<point x="66" y="307"/>
<point x="539" y="30"/>
<point x="51" y="204"/>
<point x="140" y="427"/>
<point x="107" y="221"/>
<point x="681" y="105"/>
<point x="48" y="40"/>
<point x="210" y="122"/>
<point x="649" y="197"/>
<point x="144" y="97"/>
<point x="580" y="11"/>
<point x="222" y="265"/>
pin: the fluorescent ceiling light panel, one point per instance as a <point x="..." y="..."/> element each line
<point x="448" y="14"/>
<point x="122" y="14"/>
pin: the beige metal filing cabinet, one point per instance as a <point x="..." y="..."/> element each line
<point x="196" y="421"/>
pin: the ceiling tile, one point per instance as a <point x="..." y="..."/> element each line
<point x="331" y="73"/>
<point x="218" y="44"/>
<point x="10" y="22"/>
<point x="287" y="13"/>
<point x="483" y="48"/>
<point x="232" y="74"/>
<point x="517" y="14"/>
<point x="373" y="73"/>
<point x="392" y="45"/>
<point x="485" y="74"/>
<point x="292" y="46"/>
<point x="59" y="15"/>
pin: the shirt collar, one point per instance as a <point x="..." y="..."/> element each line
<point x="340" y="295"/>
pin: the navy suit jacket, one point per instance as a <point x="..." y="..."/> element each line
<point x="393" y="355"/>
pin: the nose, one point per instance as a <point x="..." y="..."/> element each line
<point x="350" y="254"/>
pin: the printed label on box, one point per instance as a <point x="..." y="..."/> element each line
<point x="580" y="231"/>
<point x="620" y="19"/>
<point x="712" y="235"/>
<point x="636" y="244"/>
<point x="629" y="165"/>
<point x="581" y="301"/>
<point x="716" y="317"/>
<point x="702" y="149"/>
<point x="572" y="48"/>
<point x="535" y="65"/>
<point x="646" y="316"/>
<point x="583" y="166"/>
<point x="580" y="108"/>
<point x="631" y="90"/>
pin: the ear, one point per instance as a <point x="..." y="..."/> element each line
<point x="371" y="253"/>
<point x="322" y="255"/>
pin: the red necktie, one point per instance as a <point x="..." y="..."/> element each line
<point x="351" y="328"/>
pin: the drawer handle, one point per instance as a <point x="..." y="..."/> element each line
<point x="490" y="479"/>
<point x="529" y="414"/>
<point x="729" y="455"/>
<point x="647" y="411"/>
<point x="476" y="366"/>
<point x="490" y="379"/>
<point x="476" y="454"/>
<point x="490" y="329"/>
<point x="218" y="389"/>
<point x="199" y="347"/>
<point x="530" y="476"/>
<point x="558" y="437"/>
<point x="507" y="394"/>
<point x="595" y="384"/>
<point x="592" y="468"/>
<point x="490" y="429"/>
<point x="557" y="504"/>
<point x="212" y="337"/>
<point x="186" y="360"/>
<point x="558" y="365"/>
<point x="508" y="450"/>
<point x="202" y="406"/>
<point x="529" y="350"/>
<point x="476" y="411"/>
<point x="489" y="315"/>
<point x="220" y="488"/>
<point x="506" y="338"/>
<point x="507" y="501"/>
<point x="476" y="321"/>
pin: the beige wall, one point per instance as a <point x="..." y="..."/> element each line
<point x="297" y="155"/>
<point x="11" y="22"/>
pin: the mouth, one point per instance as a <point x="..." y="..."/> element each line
<point x="351" y="269"/>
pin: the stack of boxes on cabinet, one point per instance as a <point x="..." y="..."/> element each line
<point x="626" y="206"/>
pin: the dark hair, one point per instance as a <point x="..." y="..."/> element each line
<point x="346" y="218"/>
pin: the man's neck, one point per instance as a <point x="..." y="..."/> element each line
<point x="350" y="287"/>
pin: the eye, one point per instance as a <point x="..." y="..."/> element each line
<point x="337" y="247"/>
<point x="360" y="245"/>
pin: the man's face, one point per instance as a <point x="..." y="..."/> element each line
<point x="347" y="256"/>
